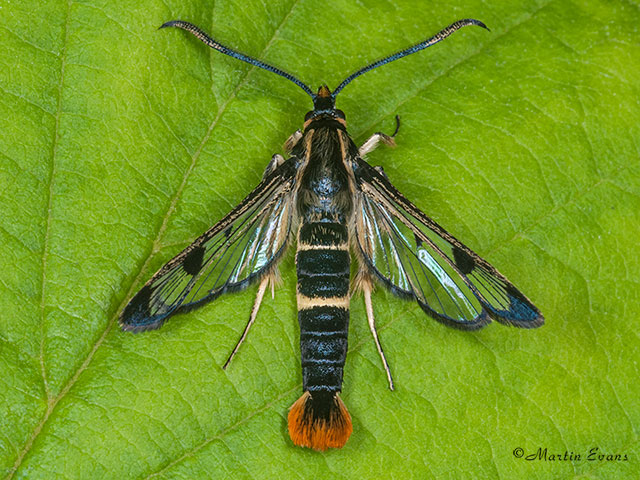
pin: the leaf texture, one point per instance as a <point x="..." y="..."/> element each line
<point x="119" y="144"/>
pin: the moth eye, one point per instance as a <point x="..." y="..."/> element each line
<point x="340" y="114"/>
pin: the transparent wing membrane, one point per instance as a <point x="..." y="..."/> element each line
<point x="412" y="268"/>
<point x="415" y="257"/>
<point x="240" y="248"/>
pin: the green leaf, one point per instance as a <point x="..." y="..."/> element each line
<point x="120" y="143"/>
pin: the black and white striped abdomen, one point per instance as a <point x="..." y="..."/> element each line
<point x="323" y="267"/>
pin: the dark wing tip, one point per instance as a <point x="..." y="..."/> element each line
<point x="135" y="317"/>
<point x="536" y="322"/>
<point x="528" y="323"/>
<point x="533" y="319"/>
<point x="521" y="313"/>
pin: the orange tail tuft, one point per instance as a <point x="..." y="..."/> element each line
<point x="319" y="420"/>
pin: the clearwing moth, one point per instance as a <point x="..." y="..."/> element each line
<point x="334" y="203"/>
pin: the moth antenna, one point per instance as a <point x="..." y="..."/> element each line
<point x="319" y="420"/>
<point x="441" y="35"/>
<point x="206" y="39"/>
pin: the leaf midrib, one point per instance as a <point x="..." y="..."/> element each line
<point x="45" y="249"/>
<point x="49" y="204"/>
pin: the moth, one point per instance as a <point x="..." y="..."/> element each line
<point x="336" y="206"/>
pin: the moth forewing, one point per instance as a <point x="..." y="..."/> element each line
<point x="499" y="298"/>
<point x="238" y="250"/>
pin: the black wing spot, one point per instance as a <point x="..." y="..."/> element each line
<point x="193" y="260"/>
<point x="463" y="260"/>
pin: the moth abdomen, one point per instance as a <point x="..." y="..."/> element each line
<point x="323" y="273"/>
<point x="323" y="346"/>
<point x="323" y="309"/>
<point x="319" y="419"/>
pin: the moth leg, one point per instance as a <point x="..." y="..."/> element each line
<point x="254" y="312"/>
<point x="375" y="139"/>
<point x="292" y="141"/>
<point x="275" y="162"/>
<point x="366" y="290"/>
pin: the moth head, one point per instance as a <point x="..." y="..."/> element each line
<point x="324" y="104"/>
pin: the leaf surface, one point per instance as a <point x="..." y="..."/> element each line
<point x="119" y="144"/>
